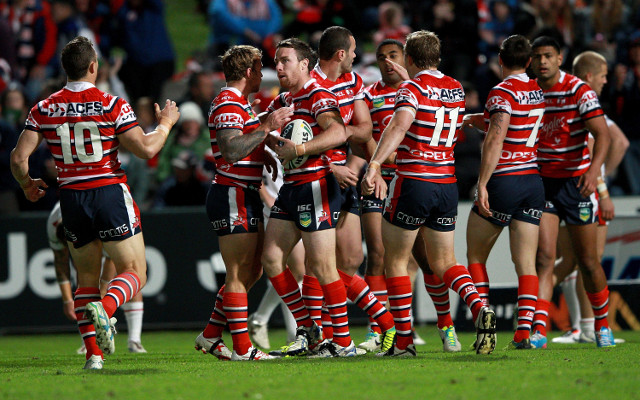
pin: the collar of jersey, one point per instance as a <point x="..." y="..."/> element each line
<point x="234" y="90"/>
<point x="435" y="73"/>
<point x="79" y="86"/>
<point x="521" y="77"/>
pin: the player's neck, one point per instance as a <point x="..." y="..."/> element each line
<point x="506" y="72"/>
<point x="241" y="86"/>
<point x="330" y="69"/>
<point x="547" y="84"/>
<point x="300" y="85"/>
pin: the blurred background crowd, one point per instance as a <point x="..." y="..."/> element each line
<point x="138" y="62"/>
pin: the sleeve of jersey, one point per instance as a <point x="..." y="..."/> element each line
<point x="498" y="102"/>
<point x="227" y="117"/>
<point x="276" y="103"/>
<point x="406" y="96"/>
<point x="126" y="117"/>
<point x="588" y="103"/>
<point x="322" y="102"/>
<point x="366" y="96"/>
<point x="32" y="123"/>
<point x="359" y="89"/>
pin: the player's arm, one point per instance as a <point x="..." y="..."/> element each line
<point x="391" y="138"/>
<point x="491" y="150"/>
<point x="27" y="143"/>
<point x="147" y="145"/>
<point x="475" y="121"/>
<point x="234" y="146"/>
<point x="361" y="126"/>
<point x="605" y="205"/>
<point x="333" y="135"/>
<point x="598" y="128"/>
<point x="63" y="276"/>
<point x="617" y="149"/>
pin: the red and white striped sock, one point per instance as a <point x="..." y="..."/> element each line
<point x="480" y="278"/>
<point x="439" y="293"/>
<point x="312" y="297"/>
<point x="82" y="297"/>
<point x="218" y="319"/>
<point x="541" y="316"/>
<point x="287" y="287"/>
<point x="400" y="298"/>
<point x="235" y="308"/>
<point x="527" y="299"/>
<point x="121" y="289"/>
<point x="458" y="279"/>
<point x="327" y="326"/>
<point x="360" y="294"/>
<point x="336" y="298"/>
<point x="378" y="285"/>
<point x="600" y="305"/>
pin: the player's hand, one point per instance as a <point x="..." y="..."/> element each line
<point x="344" y="175"/>
<point x="482" y="199"/>
<point x="588" y="182"/>
<point x="69" y="311"/>
<point x="285" y="149"/>
<point x="34" y="189"/>
<point x="169" y="113"/>
<point x="399" y="69"/>
<point x="607" y="210"/>
<point x="271" y="165"/>
<point x="474" y="121"/>
<point x="278" y="118"/>
<point x="372" y="183"/>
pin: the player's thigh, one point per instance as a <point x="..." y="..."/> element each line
<point x="129" y="255"/>
<point x="88" y="262"/>
<point x="320" y="250"/>
<point x="440" y="249"/>
<point x="481" y="236"/>
<point x="584" y="241"/>
<point x="523" y="241"/>
<point x="279" y="239"/>
<point x="397" y="245"/>
<point x="349" y="253"/>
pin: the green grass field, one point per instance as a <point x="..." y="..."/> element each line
<point x="46" y="367"/>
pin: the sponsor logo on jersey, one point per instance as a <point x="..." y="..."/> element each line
<point x="502" y="217"/>
<point x="552" y="125"/>
<point x="75" y="109"/>
<point x="405" y="95"/>
<point x="305" y="219"/>
<point x="447" y="221"/>
<point x="533" y="213"/>
<point x="530" y="97"/>
<point x="227" y="120"/>
<point x="323" y="105"/>
<point x="410" y="220"/>
<point x="378" y="102"/>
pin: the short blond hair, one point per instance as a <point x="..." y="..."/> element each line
<point x="588" y="62"/>
<point x="237" y="60"/>
<point x="424" y="49"/>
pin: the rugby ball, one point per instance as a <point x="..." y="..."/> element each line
<point x="298" y="131"/>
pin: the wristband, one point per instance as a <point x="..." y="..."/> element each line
<point x="63" y="282"/>
<point x="300" y="153"/>
<point x="602" y="188"/>
<point x="162" y="129"/>
<point x="374" y="165"/>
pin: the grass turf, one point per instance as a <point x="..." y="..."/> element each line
<point x="45" y="367"/>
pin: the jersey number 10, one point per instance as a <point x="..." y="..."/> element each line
<point x="79" y="141"/>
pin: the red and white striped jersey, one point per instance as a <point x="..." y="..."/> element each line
<point x="81" y="125"/>
<point x="563" y="151"/>
<point x="426" y="152"/>
<point x="311" y="101"/>
<point x="348" y="88"/>
<point x="380" y="98"/>
<point x="522" y="99"/>
<point x="231" y="110"/>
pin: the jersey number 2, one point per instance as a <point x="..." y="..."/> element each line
<point x="78" y="133"/>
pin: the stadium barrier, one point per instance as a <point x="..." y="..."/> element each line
<point x="185" y="269"/>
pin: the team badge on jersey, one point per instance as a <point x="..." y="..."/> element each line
<point x="305" y="219"/>
<point x="378" y="102"/>
<point x="585" y="214"/>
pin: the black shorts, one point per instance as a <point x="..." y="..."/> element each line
<point x="232" y="209"/>
<point x="350" y="200"/>
<point x="563" y="198"/>
<point x="519" y="197"/>
<point x="370" y="203"/>
<point x="413" y="203"/>
<point x="107" y="213"/>
<point x="312" y="206"/>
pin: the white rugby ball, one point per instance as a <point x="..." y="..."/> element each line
<point x="298" y="131"/>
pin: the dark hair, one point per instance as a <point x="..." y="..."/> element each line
<point x="388" y="42"/>
<point x="76" y="57"/>
<point x="237" y="60"/>
<point x="333" y="39"/>
<point x="544" y="41"/>
<point x="515" y="51"/>
<point x="424" y="49"/>
<point x="302" y="49"/>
